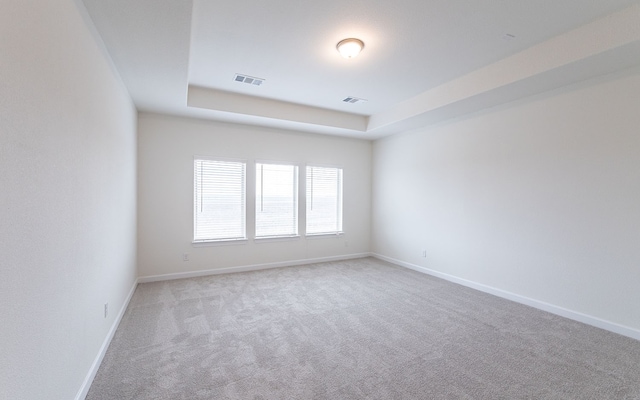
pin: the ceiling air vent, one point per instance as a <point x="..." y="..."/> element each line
<point x="353" y="100"/>
<point x="251" y="80"/>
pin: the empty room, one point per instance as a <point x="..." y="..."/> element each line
<point x="418" y="199"/>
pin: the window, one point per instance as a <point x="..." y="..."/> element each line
<point x="276" y="200"/>
<point x="219" y="200"/>
<point x="324" y="200"/>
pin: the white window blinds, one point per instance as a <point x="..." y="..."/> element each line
<point x="219" y="200"/>
<point x="324" y="200"/>
<point x="276" y="200"/>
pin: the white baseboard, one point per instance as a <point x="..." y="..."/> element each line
<point x="563" y="312"/>
<point x="86" y="385"/>
<point x="247" y="268"/>
<point x="84" y="389"/>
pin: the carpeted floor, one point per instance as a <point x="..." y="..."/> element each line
<point x="358" y="329"/>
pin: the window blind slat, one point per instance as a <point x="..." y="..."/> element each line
<point x="324" y="200"/>
<point x="276" y="200"/>
<point x="219" y="200"/>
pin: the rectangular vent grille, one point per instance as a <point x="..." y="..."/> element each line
<point x="251" y="80"/>
<point x="353" y="100"/>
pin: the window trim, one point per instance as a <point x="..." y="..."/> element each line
<point x="341" y="200"/>
<point x="266" y="239"/>
<point x="296" y="208"/>
<point x="222" y="241"/>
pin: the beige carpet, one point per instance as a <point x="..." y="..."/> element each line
<point x="359" y="329"/>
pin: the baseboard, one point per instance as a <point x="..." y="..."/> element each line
<point x="247" y="268"/>
<point x="563" y="312"/>
<point x="84" y="389"/>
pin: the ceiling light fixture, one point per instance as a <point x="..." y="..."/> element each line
<point x="350" y="48"/>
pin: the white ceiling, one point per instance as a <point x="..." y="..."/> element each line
<point x="423" y="61"/>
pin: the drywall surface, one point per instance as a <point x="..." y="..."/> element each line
<point x="539" y="198"/>
<point x="67" y="199"/>
<point x="166" y="149"/>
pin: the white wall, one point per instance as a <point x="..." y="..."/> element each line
<point x="67" y="199"/>
<point x="166" y="147"/>
<point x="540" y="198"/>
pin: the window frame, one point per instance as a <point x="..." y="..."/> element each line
<point x="229" y="240"/>
<point x="307" y="201"/>
<point x="296" y="206"/>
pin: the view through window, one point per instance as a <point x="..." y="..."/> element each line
<point x="219" y="200"/>
<point x="276" y="200"/>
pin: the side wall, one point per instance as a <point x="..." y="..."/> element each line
<point x="167" y="146"/>
<point x="539" y="199"/>
<point x="67" y="199"/>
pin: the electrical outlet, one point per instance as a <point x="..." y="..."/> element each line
<point x="424" y="254"/>
<point x="346" y="243"/>
<point x="106" y="309"/>
<point x="185" y="256"/>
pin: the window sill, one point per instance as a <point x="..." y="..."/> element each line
<point x="267" y="239"/>
<point x="218" y="242"/>
<point x="323" y="235"/>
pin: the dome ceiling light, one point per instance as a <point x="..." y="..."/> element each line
<point x="350" y="48"/>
